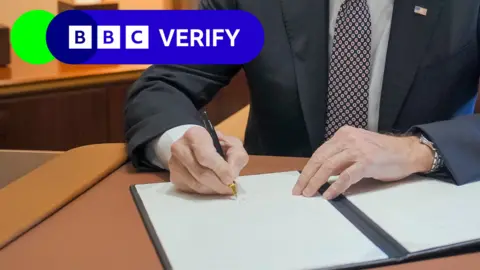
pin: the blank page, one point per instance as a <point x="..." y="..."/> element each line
<point x="422" y="213"/>
<point x="266" y="227"/>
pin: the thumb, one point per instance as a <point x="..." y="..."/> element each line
<point x="237" y="161"/>
<point x="236" y="155"/>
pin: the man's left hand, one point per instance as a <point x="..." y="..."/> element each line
<point x="354" y="154"/>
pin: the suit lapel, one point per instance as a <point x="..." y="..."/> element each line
<point x="306" y="23"/>
<point x="409" y="36"/>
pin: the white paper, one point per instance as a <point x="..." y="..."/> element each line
<point x="266" y="227"/>
<point x="422" y="213"/>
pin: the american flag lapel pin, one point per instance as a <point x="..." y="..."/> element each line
<point x="420" y="11"/>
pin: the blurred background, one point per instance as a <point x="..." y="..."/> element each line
<point x="57" y="107"/>
<point x="12" y="9"/>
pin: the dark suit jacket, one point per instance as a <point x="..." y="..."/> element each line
<point x="431" y="76"/>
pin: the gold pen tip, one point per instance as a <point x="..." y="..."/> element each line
<point x="233" y="186"/>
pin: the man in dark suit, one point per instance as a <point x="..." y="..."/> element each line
<point x="366" y="88"/>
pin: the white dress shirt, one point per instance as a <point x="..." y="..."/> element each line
<point x="158" y="151"/>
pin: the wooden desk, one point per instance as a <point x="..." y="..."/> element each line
<point x="58" y="106"/>
<point x="101" y="228"/>
<point x="16" y="163"/>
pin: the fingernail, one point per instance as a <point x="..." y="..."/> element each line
<point x="328" y="195"/>
<point x="307" y="193"/>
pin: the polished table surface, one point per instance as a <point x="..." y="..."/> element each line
<point x="101" y="228"/>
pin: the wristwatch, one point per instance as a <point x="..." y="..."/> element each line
<point x="437" y="158"/>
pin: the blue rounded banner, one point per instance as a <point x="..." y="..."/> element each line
<point x="155" y="37"/>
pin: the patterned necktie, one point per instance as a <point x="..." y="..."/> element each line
<point x="349" y="73"/>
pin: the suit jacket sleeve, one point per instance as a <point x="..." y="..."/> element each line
<point x="458" y="141"/>
<point x="166" y="96"/>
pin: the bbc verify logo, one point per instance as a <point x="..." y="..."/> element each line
<point x="136" y="37"/>
<point x="155" y="37"/>
<point x="108" y="37"/>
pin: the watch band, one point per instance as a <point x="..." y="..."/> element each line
<point x="437" y="158"/>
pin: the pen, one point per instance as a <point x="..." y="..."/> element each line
<point x="216" y="142"/>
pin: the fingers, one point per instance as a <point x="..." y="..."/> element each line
<point x="237" y="156"/>
<point x="200" y="168"/>
<point x="348" y="177"/>
<point x="183" y="180"/>
<point x="328" y="149"/>
<point x="328" y="168"/>
<point x="201" y="173"/>
<point x="208" y="157"/>
<point x="201" y="144"/>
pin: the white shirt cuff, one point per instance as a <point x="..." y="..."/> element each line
<point x="158" y="150"/>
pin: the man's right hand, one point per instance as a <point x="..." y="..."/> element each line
<point x="196" y="167"/>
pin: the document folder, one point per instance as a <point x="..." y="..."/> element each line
<point x="266" y="227"/>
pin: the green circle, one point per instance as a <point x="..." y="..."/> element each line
<point x="29" y="37"/>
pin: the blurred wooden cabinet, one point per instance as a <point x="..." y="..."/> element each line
<point x="63" y="119"/>
<point x="83" y="111"/>
<point x="185" y="4"/>
<point x="68" y="107"/>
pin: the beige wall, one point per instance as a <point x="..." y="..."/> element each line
<point x="11" y="9"/>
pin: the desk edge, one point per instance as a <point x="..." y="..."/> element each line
<point x="72" y="82"/>
<point x="22" y="207"/>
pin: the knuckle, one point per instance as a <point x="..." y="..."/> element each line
<point x="357" y="153"/>
<point x="203" y="176"/>
<point x="191" y="132"/>
<point x="345" y="130"/>
<point x="329" y="165"/>
<point x="351" y="137"/>
<point x="346" y="177"/>
<point x="348" y="133"/>
<point x="341" y="186"/>
<point x="335" y="188"/>
<point x="223" y="171"/>
<point x="361" y="171"/>
<point x="176" y="148"/>
<point x="350" y="141"/>
<point x="317" y="158"/>
<point x="203" y="158"/>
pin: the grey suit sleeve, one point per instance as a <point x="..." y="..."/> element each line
<point x="167" y="96"/>
<point x="458" y="140"/>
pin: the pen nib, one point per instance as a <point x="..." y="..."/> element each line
<point x="233" y="186"/>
